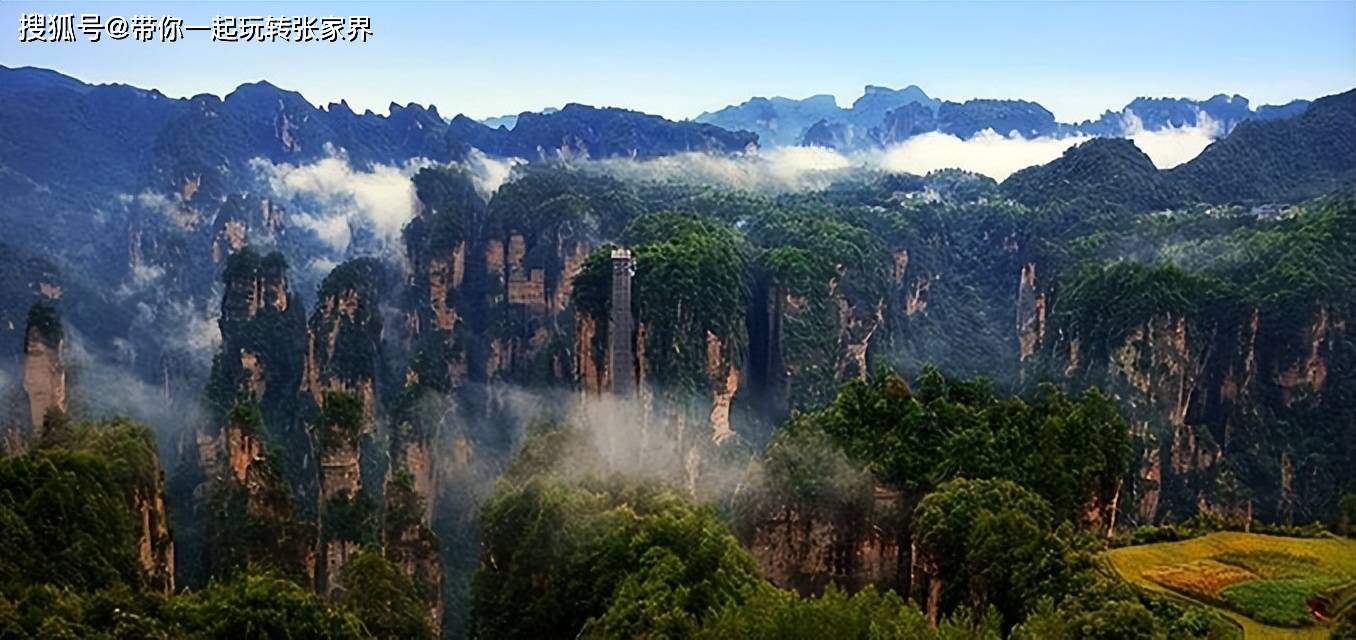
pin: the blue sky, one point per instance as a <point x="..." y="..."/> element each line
<point x="680" y="59"/>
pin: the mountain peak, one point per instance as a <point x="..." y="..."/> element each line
<point x="1100" y="174"/>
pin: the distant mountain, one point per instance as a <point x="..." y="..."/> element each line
<point x="26" y="79"/>
<point x="1279" y="159"/>
<point x="508" y="121"/>
<point x="787" y="122"/>
<point x="1027" y="119"/>
<point x="70" y="146"/>
<point x="777" y="121"/>
<point x="1287" y="110"/>
<point x="884" y="116"/>
<point x="1153" y="114"/>
<point x="1260" y="161"/>
<point x="579" y="131"/>
<point x="876" y="101"/>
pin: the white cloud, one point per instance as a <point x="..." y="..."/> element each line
<point x="333" y="199"/>
<point x="330" y="197"/>
<point x="1172" y="146"/>
<point x="104" y="384"/>
<point x="776" y="169"/>
<point x="489" y="173"/>
<point x="989" y="153"/>
<point x="995" y="155"/>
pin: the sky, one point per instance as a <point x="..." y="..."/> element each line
<point x="680" y="59"/>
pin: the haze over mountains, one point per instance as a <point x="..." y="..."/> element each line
<point x="142" y="161"/>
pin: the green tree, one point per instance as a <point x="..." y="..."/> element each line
<point x="383" y="598"/>
<point x="991" y="542"/>
<point x="559" y="554"/>
<point x="261" y="607"/>
<point x="1346" y="515"/>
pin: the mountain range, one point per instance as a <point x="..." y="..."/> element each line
<point x="884" y="116"/>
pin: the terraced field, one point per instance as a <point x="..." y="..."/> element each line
<point x="1273" y="587"/>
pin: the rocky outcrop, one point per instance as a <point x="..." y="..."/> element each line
<point x="1199" y="390"/>
<point x="44" y="373"/>
<point x="263" y="334"/>
<point x="1031" y="309"/>
<point x="407" y="538"/>
<point x="155" y="544"/>
<point x="725" y="382"/>
<point x="806" y="549"/>
<point x="343" y="366"/>
<point x="248" y="491"/>
<point x="344" y="335"/>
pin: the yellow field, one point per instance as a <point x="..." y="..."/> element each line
<point x="1199" y="569"/>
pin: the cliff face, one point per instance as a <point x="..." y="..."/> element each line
<point x="262" y="336"/>
<point x="407" y="537"/>
<point x="246" y="465"/>
<point x="1202" y="398"/>
<point x="155" y="544"/>
<point x="805" y="548"/>
<point x="343" y="366"/>
<point x="44" y="374"/>
<point x="344" y="335"/>
<point x="666" y="372"/>
<point x="250" y="489"/>
<point x="1031" y="310"/>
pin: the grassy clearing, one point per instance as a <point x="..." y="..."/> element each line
<point x="1284" y="603"/>
<point x="1261" y="582"/>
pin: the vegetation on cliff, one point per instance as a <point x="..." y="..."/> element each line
<point x="1071" y="452"/>
<point x="691" y="282"/>
<point x="67" y="507"/>
<point x="575" y="552"/>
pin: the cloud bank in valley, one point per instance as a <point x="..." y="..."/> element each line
<point x="776" y="169"/>
<point x="361" y="210"/>
<point x="999" y="156"/>
<point x="993" y="154"/>
<point x="1174" y="145"/>
<point x="989" y="153"/>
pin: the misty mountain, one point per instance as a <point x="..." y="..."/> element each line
<point x="71" y="148"/>
<point x="128" y="201"/>
<point x="1279" y="159"/>
<point x="1261" y="160"/>
<point x="1221" y="111"/>
<point x="785" y="121"/>
<point x="85" y="142"/>
<point x="580" y="131"/>
<point x="777" y="121"/>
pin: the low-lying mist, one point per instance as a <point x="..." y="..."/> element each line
<point x="783" y="169"/>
